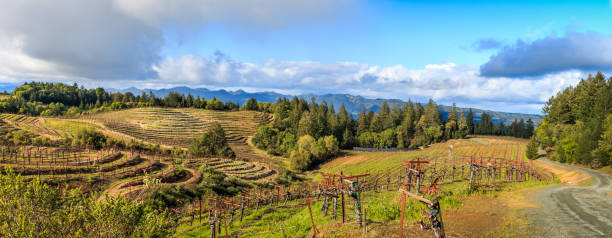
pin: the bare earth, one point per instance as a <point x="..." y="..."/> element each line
<point x="575" y="211"/>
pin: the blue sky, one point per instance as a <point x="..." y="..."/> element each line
<point x="499" y="55"/>
<point x="411" y="33"/>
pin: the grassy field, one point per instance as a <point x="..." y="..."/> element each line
<point x="357" y="162"/>
<point x="382" y="206"/>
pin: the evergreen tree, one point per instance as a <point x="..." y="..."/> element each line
<point x="363" y="122"/>
<point x="470" y="122"/>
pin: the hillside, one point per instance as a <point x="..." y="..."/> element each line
<point x="168" y="128"/>
<point x="352" y="103"/>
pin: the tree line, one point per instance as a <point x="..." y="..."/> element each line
<point x="58" y="99"/>
<point x="577" y="126"/>
<point x="310" y="133"/>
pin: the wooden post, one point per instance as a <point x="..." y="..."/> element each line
<point x="365" y="221"/>
<point x="343" y="212"/>
<point x="403" y="201"/>
<point x="314" y="228"/>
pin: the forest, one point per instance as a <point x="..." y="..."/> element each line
<point x="577" y="126"/>
<point x="309" y="133"/>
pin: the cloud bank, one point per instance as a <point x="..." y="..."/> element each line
<point x="448" y="82"/>
<point x="117" y="39"/>
<point x="574" y="51"/>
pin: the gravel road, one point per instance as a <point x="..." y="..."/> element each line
<point x="575" y="211"/>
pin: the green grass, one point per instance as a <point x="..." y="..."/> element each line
<point x="293" y="219"/>
<point x="66" y="128"/>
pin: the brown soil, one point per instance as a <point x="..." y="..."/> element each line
<point x="566" y="176"/>
<point x="479" y="216"/>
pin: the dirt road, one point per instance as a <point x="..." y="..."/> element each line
<point x="575" y="211"/>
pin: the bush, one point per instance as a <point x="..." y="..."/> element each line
<point x="310" y="152"/>
<point x="212" y="143"/>
<point x="220" y="183"/>
<point x="90" y="138"/>
<point x="33" y="209"/>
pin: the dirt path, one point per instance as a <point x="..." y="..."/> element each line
<point x="575" y="211"/>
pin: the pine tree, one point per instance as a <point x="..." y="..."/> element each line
<point x="470" y="122"/>
<point x="363" y="123"/>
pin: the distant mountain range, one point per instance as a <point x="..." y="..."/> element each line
<point x="352" y="103"/>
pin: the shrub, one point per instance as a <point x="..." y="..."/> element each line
<point x="33" y="209"/>
<point x="212" y="143"/>
<point x="90" y="138"/>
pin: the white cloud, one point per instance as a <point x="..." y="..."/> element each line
<point x="100" y="39"/>
<point x="446" y="82"/>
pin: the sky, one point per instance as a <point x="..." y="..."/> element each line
<point x="498" y="55"/>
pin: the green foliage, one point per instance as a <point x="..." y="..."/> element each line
<point x="264" y="137"/>
<point x="287" y="177"/>
<point x="212" y="143"/>
<point x="220" y="183"/>
<point x="311" y="152"/>
<point x="57" y="99"/>
<point x="251" y="104"/>
<point x="33" y="209"/>
<point x="605" y="143"/>
<point x="566" y="150"/>
<point x="164" y="197"/>
<point x="532" y="149"/>
<point x="89" y="138"/>
<point x="576" y="123"/>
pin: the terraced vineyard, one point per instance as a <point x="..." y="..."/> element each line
<point x="167" y="127"/>
<point x="154" y="125"/>
<point x="34" y="125"/>
<point x="178" y="127"/>
<point x="123" y="171"/>
<point x="244" y="170"/>
<point x="238" y="125"/>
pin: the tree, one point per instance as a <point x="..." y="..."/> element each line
<point x="264" y="137"/>
<point x="90" y="138"/>
<point x="532" y="150"/>
<point x="605" y="143"/>
<point x="363" y="122"/>
<point x="251" y="104"/>
<point x="432" y="117"/>
<point x="212" y="143"/>
<point x="575" y="122"/>
<point x="470" y="122"/>
<point x="462" y="127"/>
<point x="451" y="126"/>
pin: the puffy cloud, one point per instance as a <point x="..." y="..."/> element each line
<point x="78" y="38"/>
<point x="444" y="82"/>
<point x="101" y="39"/>
<point x="582" y="51"/>
<point x="486" y="44"/>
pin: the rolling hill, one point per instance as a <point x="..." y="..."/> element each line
<point x="352" y="103"/>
